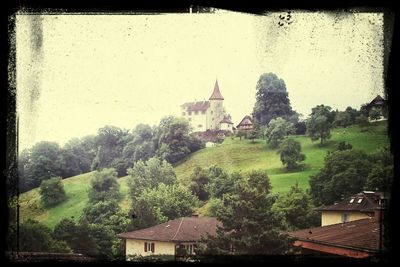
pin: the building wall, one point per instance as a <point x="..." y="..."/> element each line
<point x="226" y="127"/>
<point x="198" y="121"/>
<point x="334" y="217"/>
<point x="136" y="247"/>
<point x="217" y="113"/>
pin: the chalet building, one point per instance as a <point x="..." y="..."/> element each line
<point x="207" y="115"/>
<point x="380" y="104"/>
<point x="356" y="207"/>
<point x="246" y="124"/>
<point x="351" y="228"/>
<point x="166" y="238"/>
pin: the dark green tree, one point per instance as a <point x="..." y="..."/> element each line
<point x="353" y="114"/>
<point x="200" y="178"/>
<point x="272" y="99"/>
<point x="250" y="226"/>
<point x="290" y="153"/>
<point x="381" y="176"/>
<point x="363" y="122"/>
<point x="318" y="125"/>
<point x="104" y="186"/>
<point x="52" y="192"/>
<point x="375" y="114"/>
<point x="342" y="119"/>
<point x="344" y="174"/>
<point x="298" y="209"/>
<point x="34" y="236"/>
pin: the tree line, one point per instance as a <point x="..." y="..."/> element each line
<point x="112" y="147"/>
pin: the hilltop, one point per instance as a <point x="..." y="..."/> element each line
<point x="232" y="155"/>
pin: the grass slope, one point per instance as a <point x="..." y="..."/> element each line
<point x="244" y="156"/>
<point x="232" y="155"/>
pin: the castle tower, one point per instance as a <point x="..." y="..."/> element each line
<point x="216" y="110"/>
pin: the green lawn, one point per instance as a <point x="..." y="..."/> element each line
<point x="243" y="156"/>
<point x="231" y="155"/>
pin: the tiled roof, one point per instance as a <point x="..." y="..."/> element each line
<point x="245" y="121"/>
<point x="377" y="100"/>
<point x="183" y="229"/>
<point x="197" y="106"/>
<point x="369" y="202"/>
<point x="360" y="234"/>
<point x="226" y="120"/>
<point x="216" y="93"/>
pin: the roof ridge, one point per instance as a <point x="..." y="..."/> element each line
<point x="177" y="230"/>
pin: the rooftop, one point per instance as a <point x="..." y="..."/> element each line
<point x="182" y="229"/>
<point x="245" y="121"/>
<point x="360" y="234"/>
<point x="196" y="106"/>
<point x="366" y="201"/>
<point x="216" y="93"/>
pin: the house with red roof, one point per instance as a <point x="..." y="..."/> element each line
<point x="207" y="115"/>
<point x="168" y="237"/>
<point x="352" y="228"/>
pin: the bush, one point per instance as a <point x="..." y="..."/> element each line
<point x="52" y="192"/>
<point x="290" y="151"/>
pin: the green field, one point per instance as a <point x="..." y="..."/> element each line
<point x="231" y="155"/>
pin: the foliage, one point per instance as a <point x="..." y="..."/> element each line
<point x="271" y="99"/>
<point x="250" y="226"/>
<point x="300" y="128"/>
<point x="344" y="146"/>
<point x="363" y="122"/>
<point x="200" y="178"/>
<point x="277" y="130"/>
<point x="104" y="186"/>
<point x="162" y="203"/>
<point x="77" y="236"/>
<point x="375" y="114"/>
<point x="52" y="192"/>
<point x="298" y="209"/>
<point x="342" y="119"/>
<point x="290" y="153"/>
<point x="253" y="134"/>
<point x="34" y="236"/>
<point x="343" y="174"/>
<point x="149" y="174"/>
<point x="353" y="114"/>
<point x="318" y="125"/>
<point x="241" y="134"/>
<point x="381" y="176"/>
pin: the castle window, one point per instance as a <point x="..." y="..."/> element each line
<point x="203" y="112"/>
<point x="190" y="113"/>
<point x="211" y="112"/>
<point x="199" y="125"/>
<point x="190" y="119"/>
<point x="196" y="112"/>
<point x="183" y="113"/>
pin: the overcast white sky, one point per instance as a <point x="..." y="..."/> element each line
<point x="94" y="70"/>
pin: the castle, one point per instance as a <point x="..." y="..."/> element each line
<point x="208" y="115"/>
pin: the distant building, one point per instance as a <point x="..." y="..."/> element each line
<point x="351" y="228"/>
<point x="207" y="115"/>
<point x="379" y="104"/>
<point x="166" y="238"/>
<point x="246" y="124"/>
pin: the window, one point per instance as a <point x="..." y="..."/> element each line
<point x="190" y="113"/>
<point x="352" y="200"/>
<point x="199" y="125"/>
<point x="211" y="112"/>
<point x="359" y="200"/>
<point x="149" y="246"/>
<point x="196" y="112"/>
<point x="203" y="112"/>
<point x="190" y="119"/>
<point x="183" y="113"/>
<point x="345" y="217"/>
<point x="189" y="249"/>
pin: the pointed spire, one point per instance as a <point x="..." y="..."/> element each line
<point x="216" y="93"/>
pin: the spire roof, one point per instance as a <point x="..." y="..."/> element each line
<point x="216" y="93"/>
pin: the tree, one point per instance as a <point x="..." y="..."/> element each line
<point x="149" y="174"/>
<point x="353" y="114"/>
<point x="104" y="186"/>
<point x="298" y="209"/>
<point x="344" y="146"/>
<point x="76" y="236"/>
<point x="363" y="122"/>
<point x="200" y="178"/>
<point x="374" y="114"/>
<point x="164" y="202"/>
<point x="342" y="119"/>
<point x="318" y="125"/>
<point x="344" y="174"/>
<point x="253" y="134"/>
<point x="34" y="236"/>
<point x="277" y="130"/>
<point x="381" y="176"/>
<point x="241" y="134"/>
<point x="290" y="153"/>
<point x="52" y="192"/>
<point x="271" y="99"/>
<point x="250" y="226"/>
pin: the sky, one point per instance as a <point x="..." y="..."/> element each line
<point x="78" y="73"/>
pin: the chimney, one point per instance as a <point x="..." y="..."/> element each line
<point x="379" y="213"/>
<point x="195" y="215"/>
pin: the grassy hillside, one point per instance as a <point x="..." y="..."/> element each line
<point x="76" y="189"/>
<point x="232" y="155"/>
<point x="244" y="156"/>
